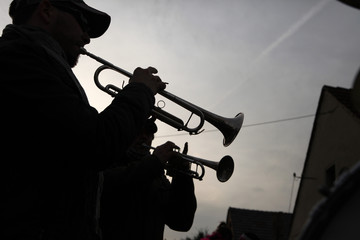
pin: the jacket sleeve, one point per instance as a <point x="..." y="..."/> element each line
<point x="133" y="175"/>
<point x="119" y="124"/>
<point x="181" y="206"/>
<point x="39" y="98"/>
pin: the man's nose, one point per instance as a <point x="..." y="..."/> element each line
<point x="86" y="38"/>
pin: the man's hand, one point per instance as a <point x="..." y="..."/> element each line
<point x="178" y="162"/>
<point x="147" y="77"/>
<point x="165" y="152"/>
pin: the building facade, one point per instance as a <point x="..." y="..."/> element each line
<point x="334" y="148"/>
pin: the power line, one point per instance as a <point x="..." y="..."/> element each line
<point x="280" y="120"/>
<point x="248" y="125"/>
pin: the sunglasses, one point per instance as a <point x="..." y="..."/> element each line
<point x="78" y="15"/>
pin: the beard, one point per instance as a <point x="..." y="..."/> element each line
<point x="72" y="59"/>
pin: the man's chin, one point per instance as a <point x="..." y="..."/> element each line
<point x="73" y="61"/>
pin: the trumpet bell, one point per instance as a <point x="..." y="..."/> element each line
<point x="225" y="169"/>
<point x="231" y="128"/>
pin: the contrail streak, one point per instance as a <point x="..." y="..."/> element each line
<point x="293" y="29"/>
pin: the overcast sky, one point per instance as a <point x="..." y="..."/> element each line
<point x="268" y="59"/>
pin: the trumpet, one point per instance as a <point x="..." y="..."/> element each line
<point x="229" y="127"/>
<point x="224" y="168"/>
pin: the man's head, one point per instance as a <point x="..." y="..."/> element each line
<point x="70" y="22"/>
<point x="146" y="137"/>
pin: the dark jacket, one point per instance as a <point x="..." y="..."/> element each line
<point x="138" y="201"/>
<point x="53" y="142"/>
